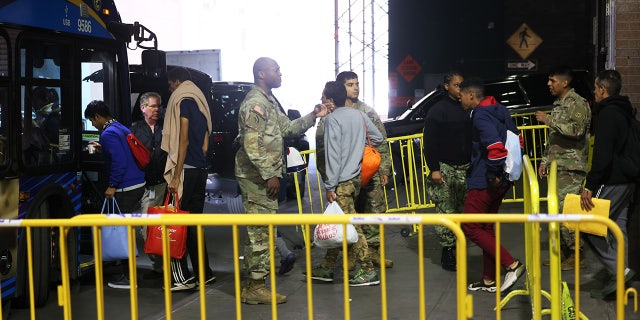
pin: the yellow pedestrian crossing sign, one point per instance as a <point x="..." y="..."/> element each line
<point x="524" y="41"/>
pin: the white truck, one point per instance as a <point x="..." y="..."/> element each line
<point x="207" y="61"/>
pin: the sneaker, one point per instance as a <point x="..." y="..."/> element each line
<point x="186" y="285"/>
<point x="210" y="280"/>
<point x="321" y="274"/>
<point x="481" y="286"/>
<point x="611" y="286"/>
<point x="122" y="283"/>
<point x="363" y="278"/>
<point x="512" y="276"/>
<point x="287" y="263"/>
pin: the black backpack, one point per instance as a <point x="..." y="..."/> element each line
<point x="629" y="159"/>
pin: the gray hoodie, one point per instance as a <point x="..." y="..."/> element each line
<point x="344" y="141"/>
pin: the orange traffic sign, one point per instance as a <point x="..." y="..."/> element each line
<point x="409" y="68"/>
<point x="524" y="41"/>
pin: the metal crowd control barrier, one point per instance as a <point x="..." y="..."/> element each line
<point x="464" y="301"/>
<point x="407" y="188"/>
<point x="96" y="221"/>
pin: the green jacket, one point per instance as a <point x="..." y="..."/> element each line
<point x="261" y="128"/>
<point x="568" y="141"/>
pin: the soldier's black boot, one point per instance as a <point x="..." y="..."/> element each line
<point x="449" y="258"/>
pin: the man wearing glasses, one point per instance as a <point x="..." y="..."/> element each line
<point x="149" y="131"/>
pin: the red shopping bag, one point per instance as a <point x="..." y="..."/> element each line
<point x="177" y="234"/>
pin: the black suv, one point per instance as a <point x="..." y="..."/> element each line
<point x="521" y="94"/>
<point x="224" y="98"/>
<point x="227" y="98"/>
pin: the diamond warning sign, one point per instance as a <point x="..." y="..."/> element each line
<point x="409" y="68"/>
<point x="524" y="41"/>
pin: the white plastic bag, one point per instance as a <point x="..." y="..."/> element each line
<point x="330" y="235"/>
<point x="513" y="162"/>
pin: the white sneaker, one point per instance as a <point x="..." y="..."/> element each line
<point x="186" y="285"/>
<point x="512" y="276"/>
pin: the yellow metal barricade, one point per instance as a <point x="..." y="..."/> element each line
<point x="464" y="307"/>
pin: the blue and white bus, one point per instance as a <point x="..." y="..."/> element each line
<point x="48" y="50"/>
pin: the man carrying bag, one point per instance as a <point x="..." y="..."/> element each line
<point x="126" y="180"/>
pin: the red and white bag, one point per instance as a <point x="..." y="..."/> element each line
<point x="330" y="235"/>
<point x="177" y="234"/>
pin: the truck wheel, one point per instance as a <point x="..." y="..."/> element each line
<point x="42" y="246"/>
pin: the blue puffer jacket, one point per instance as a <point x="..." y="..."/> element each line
<point x="488" y="153"/>
<point x="118" y="159"/>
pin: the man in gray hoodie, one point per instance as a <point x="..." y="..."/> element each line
<point x="345" y="136"/>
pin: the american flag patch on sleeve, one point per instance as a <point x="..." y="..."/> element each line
<point x="258" y="109"/>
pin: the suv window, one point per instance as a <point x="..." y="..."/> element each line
<point x="508" y="93"/>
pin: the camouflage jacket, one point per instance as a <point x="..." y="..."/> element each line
<point x="261" y="128"/>
<point x="568" y="142"/>
<point x="320" y="164"/>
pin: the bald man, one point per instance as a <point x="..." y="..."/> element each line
<point x="260" y="164"/>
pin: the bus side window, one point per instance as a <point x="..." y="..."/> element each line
<point x="47" y="132"/>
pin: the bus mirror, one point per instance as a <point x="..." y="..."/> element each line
<point x="121" y="31"/>
<point x="154" y="63"/>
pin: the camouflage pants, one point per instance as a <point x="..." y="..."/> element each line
<point x="448" y="197"/>
<point x="256" y="249"/>
<point x="568" y="182"/>
<point x="347" y="193"/>
<point x="371" y="200"/>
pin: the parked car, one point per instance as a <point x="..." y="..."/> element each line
<point x="522" y="94"/>
<point x="224" y="99"/>
<point x="227" y="98"/>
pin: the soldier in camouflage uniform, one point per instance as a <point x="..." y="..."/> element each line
<point x="371" y="198"/>
<point x="568" y="145"/>
<point x="259" y="165"/>
<point x="447" y="150"/>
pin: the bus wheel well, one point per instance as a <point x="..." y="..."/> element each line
<point x="50" y="202"/>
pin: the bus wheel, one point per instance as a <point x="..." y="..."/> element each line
<point x="42" y="246"/>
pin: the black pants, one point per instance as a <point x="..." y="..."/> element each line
<point x="193" y="194"/>
<point x="128" y="202"/>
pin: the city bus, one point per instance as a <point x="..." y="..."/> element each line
<point x="48" y="48"/>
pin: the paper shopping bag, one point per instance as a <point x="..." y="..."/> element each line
<point x="177" y="234"/>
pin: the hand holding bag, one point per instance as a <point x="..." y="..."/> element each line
<point x="330" y="235"/>
<point x="115" y="242"/>
<point x="177" y="234"/>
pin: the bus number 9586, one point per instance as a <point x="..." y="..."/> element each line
<point x="84" y="26"/>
